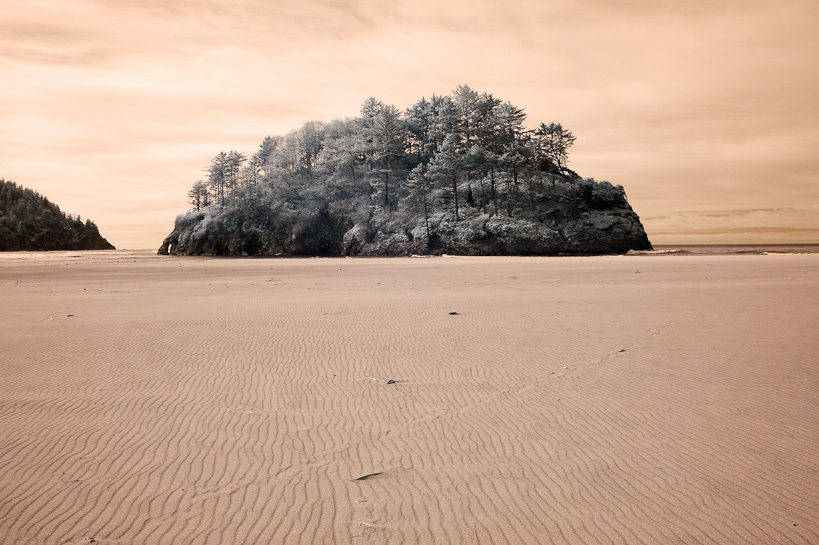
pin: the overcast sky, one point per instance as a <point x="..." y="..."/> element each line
<point x="707" y="112"/>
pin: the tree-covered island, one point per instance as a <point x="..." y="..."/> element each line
<point x="456" y="174"/>
<point x="29" y="221"/>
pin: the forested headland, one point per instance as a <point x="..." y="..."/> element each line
<point x="458" y="174"/>
<point x="29" y="221"/>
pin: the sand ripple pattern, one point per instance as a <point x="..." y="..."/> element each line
<point x="636" y="400"/>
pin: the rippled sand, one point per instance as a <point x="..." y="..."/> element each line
<point x="637" y="399"/>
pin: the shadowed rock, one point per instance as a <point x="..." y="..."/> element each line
<point x="572" y="216"/>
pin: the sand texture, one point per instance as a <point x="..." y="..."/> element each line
<point x="601" y="400"/>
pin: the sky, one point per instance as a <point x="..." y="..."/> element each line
<point x="707" y="112"/>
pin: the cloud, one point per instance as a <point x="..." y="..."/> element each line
<point x="690" y="105"/>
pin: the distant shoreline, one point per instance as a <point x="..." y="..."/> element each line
<point x="731" y="249"/>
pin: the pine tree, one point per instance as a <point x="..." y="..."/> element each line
<point x="445" y="168"/>
<point x="419" y="187"/>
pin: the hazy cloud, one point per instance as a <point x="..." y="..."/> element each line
<point x="690" y="105"/>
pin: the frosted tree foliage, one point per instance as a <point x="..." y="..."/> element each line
<point x="464" y="153"/>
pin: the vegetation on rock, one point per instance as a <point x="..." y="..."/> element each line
<point x="453" y="174"/>
<point x="29" y="221"/>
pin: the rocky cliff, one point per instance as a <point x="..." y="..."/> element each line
<point x="569" y="216"/>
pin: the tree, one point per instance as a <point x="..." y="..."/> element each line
<point x="467" y="102"/>
<point x="198" y="195"/>
<point x="489" y="144"/>
<point x="233" y="167"/>
<point x="445" y="168"/>
<point x="217" y="177"/>
<point x="419" y="187"/>
<point x="370" y="109"/>
<point x="264" y="156"/>
<point x="341" y="150"/>
<point x="418" y="121"/>
<point x="446" y="120"/>
<point x="310" y="141"/>
<point x="388" y="143"/>
<point x="511" y="145"/>
<point x="553" y="143"/>
<point x="366" y="123"/>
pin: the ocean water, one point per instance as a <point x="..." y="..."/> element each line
<point x="731" y="249"/>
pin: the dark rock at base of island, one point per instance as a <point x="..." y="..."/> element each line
<point x="30" y="222"/>
<point x="569" y="216"/>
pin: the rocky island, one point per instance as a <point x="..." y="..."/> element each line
<point x="456" y="174"/>
<point x="29" y="221"/>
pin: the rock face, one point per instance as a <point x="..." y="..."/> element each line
<point x="573" y="216"/>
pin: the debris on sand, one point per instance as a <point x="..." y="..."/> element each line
<point x="366" y="476"/>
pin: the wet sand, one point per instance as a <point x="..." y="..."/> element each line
<point x="636" y="399"/>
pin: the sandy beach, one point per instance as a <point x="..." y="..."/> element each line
<point x="580" y="400"/>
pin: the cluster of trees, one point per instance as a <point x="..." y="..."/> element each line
<point x="29" y="221"/>
<point x="466" y="153"/>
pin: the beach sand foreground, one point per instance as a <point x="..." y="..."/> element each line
<point x="596" y="400"/>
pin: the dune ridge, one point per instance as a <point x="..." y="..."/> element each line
<point x="661" y="399"/>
